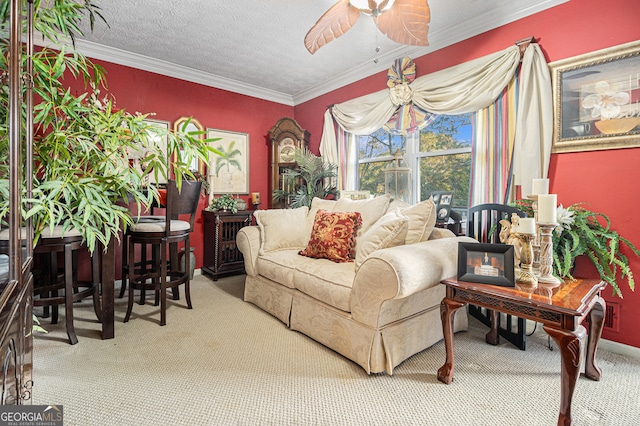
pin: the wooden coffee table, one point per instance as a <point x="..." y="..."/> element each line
<point x="560" y="308"/>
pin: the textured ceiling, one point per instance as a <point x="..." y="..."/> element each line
<point x="255" y="47"/>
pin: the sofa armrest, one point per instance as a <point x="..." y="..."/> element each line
<point x="248" y="240"/>
<point x="398" y="272"/>
<point x="438" y="233"/>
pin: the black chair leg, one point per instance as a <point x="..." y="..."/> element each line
<point x="68" y="294"/>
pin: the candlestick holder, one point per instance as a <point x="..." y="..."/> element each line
<point x="525" y="275"/>
<point x="536" y="240"/>
<point x="546" y="254"/>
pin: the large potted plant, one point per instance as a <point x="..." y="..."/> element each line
<point x="83" y="142"/>
<point x="582" y="232"/>
<point x="312" y="178"/>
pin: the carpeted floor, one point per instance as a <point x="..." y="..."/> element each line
<point x="226" y="362"/>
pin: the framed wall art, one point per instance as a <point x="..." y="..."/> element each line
<point x="191" y="125"/>
<point x="228" y="173"/>
<point x="486" y="263"/>
<point x="160" y="139"/>
<point x="596" y="100"/>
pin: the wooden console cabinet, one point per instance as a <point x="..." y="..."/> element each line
<point x="221" y="255"/>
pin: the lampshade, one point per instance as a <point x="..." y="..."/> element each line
<point x="397" y="178"/>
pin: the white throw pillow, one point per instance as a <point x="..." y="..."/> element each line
<point x="422" y="220"/>
<point x="282" y="229"/>
<point x="370" y="210"/>
<point x="389" y="231"/>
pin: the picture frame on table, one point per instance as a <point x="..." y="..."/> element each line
<point x="228" y="173"/>
<point x="596" y="100"/>
<point x="486" y="264"/>
<point x="443" y="201"/>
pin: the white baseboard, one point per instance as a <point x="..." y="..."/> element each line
<point x="619" y="348"/>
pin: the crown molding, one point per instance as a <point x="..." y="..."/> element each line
<point x="439" y="40"/>
<point x="146" y="63"/>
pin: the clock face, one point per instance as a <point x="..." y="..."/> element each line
<point x="287" y="149"/>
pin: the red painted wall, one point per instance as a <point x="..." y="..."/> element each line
<point x="604" y="179"/>
<point x="170" y="98"/>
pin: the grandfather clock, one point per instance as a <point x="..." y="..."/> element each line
<point x="286" y="136"/>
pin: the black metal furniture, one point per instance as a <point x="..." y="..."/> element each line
<point x="162" y="270"/>
<point x="483" y="224"/>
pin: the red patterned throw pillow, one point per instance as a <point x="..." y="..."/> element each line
<point x="333" y="236"/>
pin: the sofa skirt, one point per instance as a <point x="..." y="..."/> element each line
<point x="376" y="350"/>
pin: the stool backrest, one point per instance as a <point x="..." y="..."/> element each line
<point x="483" y="221"/>
<point x="182" y="202"/>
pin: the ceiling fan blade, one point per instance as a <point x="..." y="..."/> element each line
<point x="335" y="22"/>
<point x="407" y="22"/>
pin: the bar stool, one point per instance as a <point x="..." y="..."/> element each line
<point x="50" y="279"/>
<point x="162" y="270"/>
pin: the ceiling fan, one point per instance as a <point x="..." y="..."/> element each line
<point x="403" y="21"/>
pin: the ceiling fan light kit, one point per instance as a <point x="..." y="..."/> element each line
<point x="403" y="21"/>
<point x="371" y="7"/>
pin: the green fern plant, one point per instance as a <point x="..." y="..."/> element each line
<point x="583" y="232"/>
<point x="312" y="178"/>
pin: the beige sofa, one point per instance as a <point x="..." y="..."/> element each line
<point x="378" y="310"/>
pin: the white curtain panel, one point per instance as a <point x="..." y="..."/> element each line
<point x="467" y="87"/>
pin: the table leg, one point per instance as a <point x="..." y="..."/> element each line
<point x="448" y="308"/>
<point x="492" y="337"/>
<point x="596" y="323"/>
<point x="107" y="277"/>
<point x="571" y="344"/>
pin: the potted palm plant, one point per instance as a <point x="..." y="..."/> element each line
<point x="582" y="232"/>
<point x="83" y="142"/>
<point x="312" y="178"/>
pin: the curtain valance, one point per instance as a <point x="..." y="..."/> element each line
<point x="467" y="87"/>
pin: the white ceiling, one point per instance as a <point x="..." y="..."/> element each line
<point x="255" y="47"/>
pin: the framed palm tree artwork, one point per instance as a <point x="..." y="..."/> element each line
<point x="228" y="172"/>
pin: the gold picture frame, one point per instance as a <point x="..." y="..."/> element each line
<point x="596" y="100"/>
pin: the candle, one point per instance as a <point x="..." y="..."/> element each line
<point x="255" y="198"/>
<point x="540" y="186"/>
<point x="547" y="208"/>
<point x="527" y="225"/>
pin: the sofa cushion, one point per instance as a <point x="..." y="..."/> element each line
<point x="422" y="220"/>
<point x="282" y="229"/>
<point x="279" y="266"/>
<point x="371" y="210"/>
<point x="318" y="204"/>
<point x="389" y="231"/>
<point x="326" y="281"/>
<point x="333" y="236"/>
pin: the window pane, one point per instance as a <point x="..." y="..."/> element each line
<point x="446" y="173"/>
<point x="447" y="132"/>
<point x="372" y="176"/>
<point x="379" y="144"/>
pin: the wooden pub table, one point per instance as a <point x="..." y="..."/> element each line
<point x="560" y="308"/>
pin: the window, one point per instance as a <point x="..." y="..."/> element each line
<point x="439" y="156"/>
